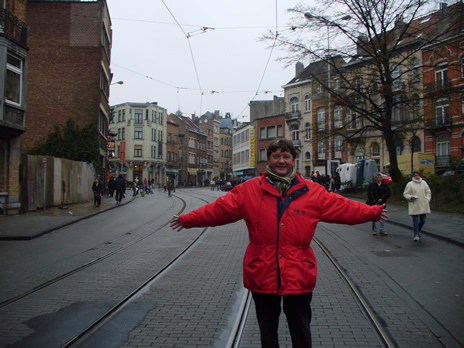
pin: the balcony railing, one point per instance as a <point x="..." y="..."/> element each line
<point x="293" y="114"/>
<point x="296" y="142"/>
<point x="12" y="27"/>
<point x="443" y="161"/>
<point x="443" y="121"/>
<point x="438" y="87"/>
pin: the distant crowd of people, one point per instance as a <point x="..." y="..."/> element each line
<point x="331" y="184"/>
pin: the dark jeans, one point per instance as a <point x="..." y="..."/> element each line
<point x="297" y="309"/>
<point x="418" y="222"/>
<point x="119" y="195"/>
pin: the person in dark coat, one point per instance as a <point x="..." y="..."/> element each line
<point x="170" y="188"/>
<point x="337" y="182"/>
<point x="97" y="189"/>
<point x="111" y="187"/>
<point x="377" y="193"/>
<point x="120" y="185"/>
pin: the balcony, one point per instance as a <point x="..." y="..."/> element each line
<point x="443" y="121"/>
<point x="13" y="123"/>
<point x="13" y="28"/>
<point x="296" y="142"/>
<point x="439" y="88"/>
<point x="443" y="161"/>
<point x="292" y="115"/>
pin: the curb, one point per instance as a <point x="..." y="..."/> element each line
<point x="432" y="234"/>
<point x="57" y="227"/>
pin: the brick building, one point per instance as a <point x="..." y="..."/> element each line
<point x="13" y="65"/>
<point x="69" y="68"/>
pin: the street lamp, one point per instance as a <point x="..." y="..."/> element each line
<point x="328" y="24"/>
<point x="118" y="83"/>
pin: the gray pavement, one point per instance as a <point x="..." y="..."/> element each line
<point x="449" y="227"/>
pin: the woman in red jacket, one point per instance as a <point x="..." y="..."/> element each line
<point x="281" y="210"/>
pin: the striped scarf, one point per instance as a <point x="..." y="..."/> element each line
<point x="281" y="183"/>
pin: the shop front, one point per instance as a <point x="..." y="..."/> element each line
<point x="192" y="176"/>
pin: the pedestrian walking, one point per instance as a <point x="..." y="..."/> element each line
<point x="111" y="187"/>
<point x="212" y="184"/>
<point x="377" y="194"/>
<point x="97" y="189"/>
<point x="279" y="263"/>
<point x="337" y="182"/>
<point x="170" y="188"/>
<point x="134" y="189"/>
<point x="418" y="194"/>
<point x="120" y="185"/>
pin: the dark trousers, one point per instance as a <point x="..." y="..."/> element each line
<point x="119" y="195"/>
<point x="297" y="309"/>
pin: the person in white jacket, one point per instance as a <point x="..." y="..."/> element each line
<point x="418" y="194"/>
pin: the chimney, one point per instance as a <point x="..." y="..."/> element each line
<point x="299" y="67"/>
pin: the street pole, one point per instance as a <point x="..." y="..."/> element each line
<point x="329" y="163"/>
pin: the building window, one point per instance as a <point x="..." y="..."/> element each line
<point x="442" y="112"/>
<point x="262" y="133"/>
<point x="104" y="83"/>
<point x="375" y="149"/>
<point x="280" y="131"/>
<point x="138" y="116"/>
<point x="102" y="123"/>
<point x="295" y="104"/>
<point x="321" y="149"/>
<point x="398" y="146"/>
<point x="137" y="150"/>
<point x="396" y="77"/>
<point x="319" y="88"/>
<point x="307" y="103"/>
<point x="307" y="156"/>
<point x="462" y="67"/>
<point x="14" y="77"/>
<point x="271" y="132"/>
<point x="338" y="146"/>
<point x="415" y="70"/>
<point x="338" y="117"/>
<point x="416" y="144"/>
<point x="443" y="145"/>
<point x="350" y="119"/>
<point x="441" y="76"/>
<point x="397" y="110"/>
<point x="153" y="151"/>
<point x="294" y="129"/>
<point x="262" y="155"/>
<point x="321" y="118"/>
<point x="138" y="132"/>
<point x="307" y="131"/>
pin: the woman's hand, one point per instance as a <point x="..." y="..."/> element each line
<point x="175" y="223"/>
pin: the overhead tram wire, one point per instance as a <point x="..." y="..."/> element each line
<point x="268" y="60"/>
<point x="191" y="53"/>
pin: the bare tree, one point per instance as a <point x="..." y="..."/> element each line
<point x="381" y="42"/>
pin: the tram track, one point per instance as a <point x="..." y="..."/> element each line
<point x="97" y="260"/>
<point x="381" y="333"/>
<point x="148" y="287"/>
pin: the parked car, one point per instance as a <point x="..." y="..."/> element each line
<point x="448" y="173"/>
<point x="386" y="178"/>
<point x="227" y="186"/>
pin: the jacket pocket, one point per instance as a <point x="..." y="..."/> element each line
<point x="257" y="269"/>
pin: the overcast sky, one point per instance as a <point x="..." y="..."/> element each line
<point x="180" y="66"/>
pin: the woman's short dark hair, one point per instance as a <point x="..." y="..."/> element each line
<point x="283" y="144"/>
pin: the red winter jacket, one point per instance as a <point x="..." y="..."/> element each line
<point x="279" y="258"/>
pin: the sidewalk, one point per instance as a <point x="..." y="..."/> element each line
<point x="31" y="225"/>
<point x="449" y="227"/>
